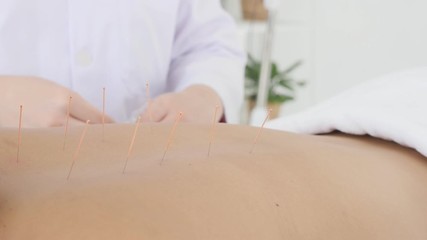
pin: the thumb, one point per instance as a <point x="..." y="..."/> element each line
<point x="83" y="110"/>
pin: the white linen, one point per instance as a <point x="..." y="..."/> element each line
<point x="88" y="45"/>
<point x="393" y="107"/>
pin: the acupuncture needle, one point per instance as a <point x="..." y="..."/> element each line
<point x="260" y="130"/>
<point x="67" y="122"/>
<point x="19" y="134"/>
<point x="138" y="123"/>
<point x="148" y="100"/>
<point x="103" y="114"/>
<point x="212" y="132"/>
<point x="76" y="153"/>
<point x="179" y="117"/>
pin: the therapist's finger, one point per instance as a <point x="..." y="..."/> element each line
<point x="60" y="122"/>
<point x="170" y="117"/>
<point x="81" y="110"/>
<point x="76" y="122"/>
<point x="155" y="113"/>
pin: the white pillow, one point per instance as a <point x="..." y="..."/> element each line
<point x="393" y="107"/>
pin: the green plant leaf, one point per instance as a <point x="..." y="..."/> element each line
<point x="277" y="79"/>
<point x="292" y="67"/>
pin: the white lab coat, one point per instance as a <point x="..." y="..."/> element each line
<point x="86" y="45"/>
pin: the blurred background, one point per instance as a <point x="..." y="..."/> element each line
<point x="322" y="47"/>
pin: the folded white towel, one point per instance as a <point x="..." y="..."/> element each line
<point x="393" y="107"/>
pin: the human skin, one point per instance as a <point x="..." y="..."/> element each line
<point x="290" y="187"/>
<point x="197" y="101"/>
<point x="46" y="103"/>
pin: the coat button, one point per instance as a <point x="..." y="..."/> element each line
<point x="83" y="58"/>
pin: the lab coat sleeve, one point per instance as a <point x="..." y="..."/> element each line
<point x="206" y="51"/>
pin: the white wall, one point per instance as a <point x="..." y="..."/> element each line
<point x="345" y="42"/>
<point x="356" y="40"/>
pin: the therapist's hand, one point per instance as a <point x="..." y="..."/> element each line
<point x="197" y="103"/>
<point x="45" y="104"/>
